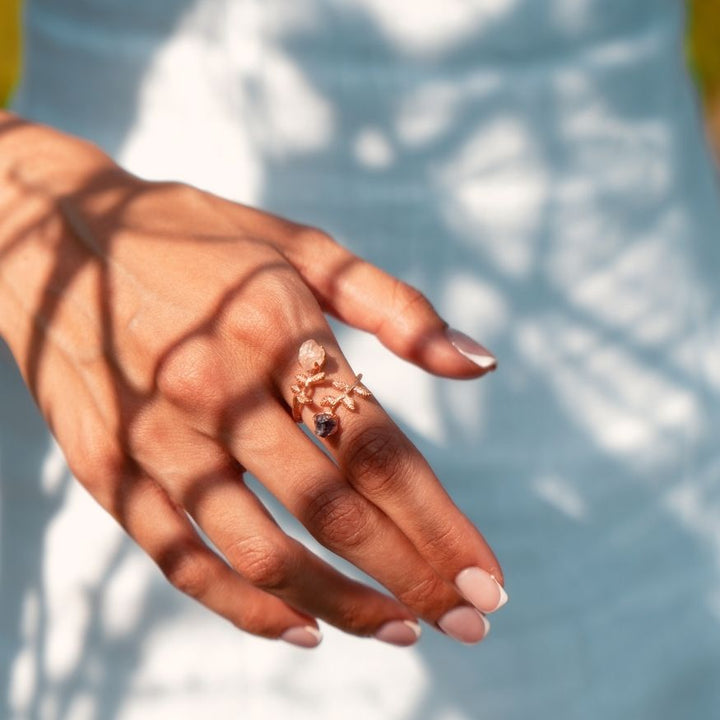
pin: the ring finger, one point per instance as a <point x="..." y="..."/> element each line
<point x="310" y="485"/>
<point x="384" y="467"/>
<point x="239" y="525"/>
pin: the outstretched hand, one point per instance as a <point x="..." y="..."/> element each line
<point x="158" y="328"/>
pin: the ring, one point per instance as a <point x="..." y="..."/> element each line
<point x="311" y="357"/>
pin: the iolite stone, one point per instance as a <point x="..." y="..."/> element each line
<point x="325" y="424"/>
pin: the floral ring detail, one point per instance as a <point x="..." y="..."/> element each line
<point x="311" y="357"/>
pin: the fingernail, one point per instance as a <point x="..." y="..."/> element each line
<point x="306" y="637"/>
<point x="465" y="624"/>
<point x="399" y="632"/>
<point x="481" y="589"/>
<point x="472" y="350"/>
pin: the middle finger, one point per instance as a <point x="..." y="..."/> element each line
<point x="313" y="489"/>
<point x="384" y="467"/>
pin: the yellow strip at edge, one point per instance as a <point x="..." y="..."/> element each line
<point x="9" y="47"/>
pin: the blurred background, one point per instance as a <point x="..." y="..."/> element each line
<point x="703" y="53"/>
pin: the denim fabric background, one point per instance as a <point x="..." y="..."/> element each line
<point x="537" y="168"/>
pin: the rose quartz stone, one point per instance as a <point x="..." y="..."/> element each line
<point x="311" y="355"/>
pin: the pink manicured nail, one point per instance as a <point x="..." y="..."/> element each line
<point x="306" y="637"/>
<point x="472" y="350"/>
<point x="465" y="624"/>
<point x="481" y="589"/>
<point x="399" y="632"/>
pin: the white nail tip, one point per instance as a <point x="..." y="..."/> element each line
<point x="415" y="627"/>
<point x="303" y="636"/>
<point x="471" y="349"/>
<point x="503" y="595"/>
<point x="486" y="623"/>
<point x="482" y="361"/>
<point x="314" y="632"/>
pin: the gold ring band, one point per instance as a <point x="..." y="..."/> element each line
<point x="311" y="357"/>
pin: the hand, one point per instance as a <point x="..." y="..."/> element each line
<point x="158" y="328"/>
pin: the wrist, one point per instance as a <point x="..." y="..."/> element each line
<point x="46" y="159"/>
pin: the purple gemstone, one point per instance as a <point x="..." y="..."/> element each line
<point x="325" y="424"/>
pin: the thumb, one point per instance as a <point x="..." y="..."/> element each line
<point x="402" y="318"/>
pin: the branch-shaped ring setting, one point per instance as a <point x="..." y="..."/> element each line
<point x="311" y="357"/>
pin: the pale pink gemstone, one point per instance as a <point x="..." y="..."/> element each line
<point x="311" y="355"/>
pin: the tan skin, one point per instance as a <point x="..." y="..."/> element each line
<point x="138" y="314"/>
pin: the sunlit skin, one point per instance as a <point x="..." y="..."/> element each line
<point x="158" y="326"/>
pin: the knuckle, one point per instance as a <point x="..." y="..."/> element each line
<point x="307" y="246"/>
<point x="408" y="301"/>
<point x="375" y="462"/>
<point x="424" y="593"/>
<point x="354" y="618"/>
<point x="94" y="459"/>
<point x="338" y="518"/>
<point x="188" y="569"/>
<point x="147" y="430"/>
<point x="408" y="317"/>
<point x="179" y="192"/>
<point x="279" y="294"/>
<point x="190" y="375"/>
<point x="280" y="301"/>
<point x="254" y="619"/>
<point x="261" y="561"/>
<point x="316" y="238"/>
<point x="443" y="544"/>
